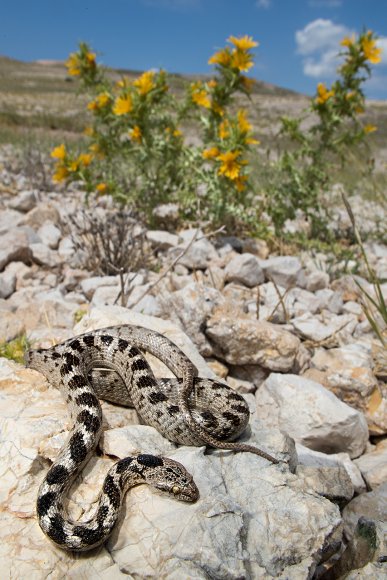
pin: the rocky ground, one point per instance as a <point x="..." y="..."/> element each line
<point x="279" y="329"/>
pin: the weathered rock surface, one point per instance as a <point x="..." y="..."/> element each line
<point x="373" y="466"/>
<point x="371" y="505"/>
<point x="245" y="269"/>
<point x="223" y="535"/>
<point x="242" y="340"/>
<point x="311" y="414"/>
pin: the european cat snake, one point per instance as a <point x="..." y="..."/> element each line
<point x="187" y="410"/>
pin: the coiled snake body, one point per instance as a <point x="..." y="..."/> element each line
<point x="187" y="410"/>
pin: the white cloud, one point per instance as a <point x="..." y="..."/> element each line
<point x="319" y="44"/>
<point x="263" y="4"/>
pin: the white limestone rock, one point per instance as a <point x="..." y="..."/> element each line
<point x="373" y="465"/>
<point x="162" y="240"/>
<point x="50" y="235"/>
<point x="311" y="458"/>
<point x="311" y="414"/>
<point x="190" y="308"/>
<point x="44" y="256"/>
<point x="15" y="247"/>
<point x="200" y="253"/>
<point x="285" y="271"/>
<point x="7" y="283"/>
<point x="24" y="201"/>
<point x="253" y="519"/>
<point x="245" y="269"/>
<point x="243" y="340"/>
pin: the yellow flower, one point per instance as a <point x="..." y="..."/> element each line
<point x="369" y="128"/>
<point x="218" y="109"/>
<point x="359" y="110"/>
<point x="92" y="106"/>
<point x="243" y="124"/>
<point x="177" y="133"/>
<point x="371" y="52"/>
<point x="103" y="99"/>
<point x="60" y="174"/>
<point x="224" y="129"/>
<point x="74" y="166"/>
<point x="240" y="182"/>
<point x="212" y="83"/>
<point x="123" y="105"/>
<point x="211" y="153"/>
<point x="101" y="188"/>
<point x="323" y="94"/>
<point x="145" y="83"/>
<point x="247" y="82"/>
<point x="85" y="159"/>
<point x="90" y="57"/>
<point x="136" y="134"/>
<point x="123" y="83"/>
<point x="201" y="98"/>
<point x="348" y="40"/>
<point x="243" y="43"/>
<point x="241" y="60"/>
<point x="222" y="57"/>
<point x="59" y="152"/>
<point x="230" y="166"/>
<point x="73" y="64"/>
<point x="89" y="131"/>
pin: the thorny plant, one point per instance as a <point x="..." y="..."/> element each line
<point x="109" y="242"/>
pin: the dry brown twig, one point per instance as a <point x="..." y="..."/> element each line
<point x="195" y="238"/>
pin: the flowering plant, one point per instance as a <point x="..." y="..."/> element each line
<point x="137" y="152"/>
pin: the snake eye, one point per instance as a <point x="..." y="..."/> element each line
<point x="175" y="489"/>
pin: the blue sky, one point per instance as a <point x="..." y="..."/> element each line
<point x="298" y="38"/>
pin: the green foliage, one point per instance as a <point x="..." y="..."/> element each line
<point x="138" y="154"/>
<point x="15" y="349"/>
<point x="305" y="172"/>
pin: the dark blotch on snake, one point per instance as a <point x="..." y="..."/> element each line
<point x="216" y="386"/>
<point x="101" y="514"/>
<point x="210" y="419"/>
<point x="78" y="449"/>
<point x="91" y="422"/>
<point x="56" y="355"/>
<point x="44" y="503"/>
<point x="57" y="474"/>
<point x="71" y="359"/>
<point x="234" y="419"/>
<point x="77" y="382"/>
<point x="87" y="535"/>
<point x="111" y="490"/>
<point x="233" y="397"/>
<point x="87" y="399"/>
<point x="145" y="381"/>
<point x="150" y="460"/>
<point x="172" y="409"/>
<point x="240" y="409"/>
<point x="88" y="340"/>
<point x="122" y="344"/>
<point x="140" y="365"/>
<point x="123" y="464"/>
<point x="76" y="345"/>
<point x="106" y="339"/>
<point x="157" y="397"/>
<point x="56" y="531"/>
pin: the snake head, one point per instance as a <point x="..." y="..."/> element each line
<point x="172" y="478"/>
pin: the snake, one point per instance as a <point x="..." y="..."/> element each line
<point x="109" y="364"/>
